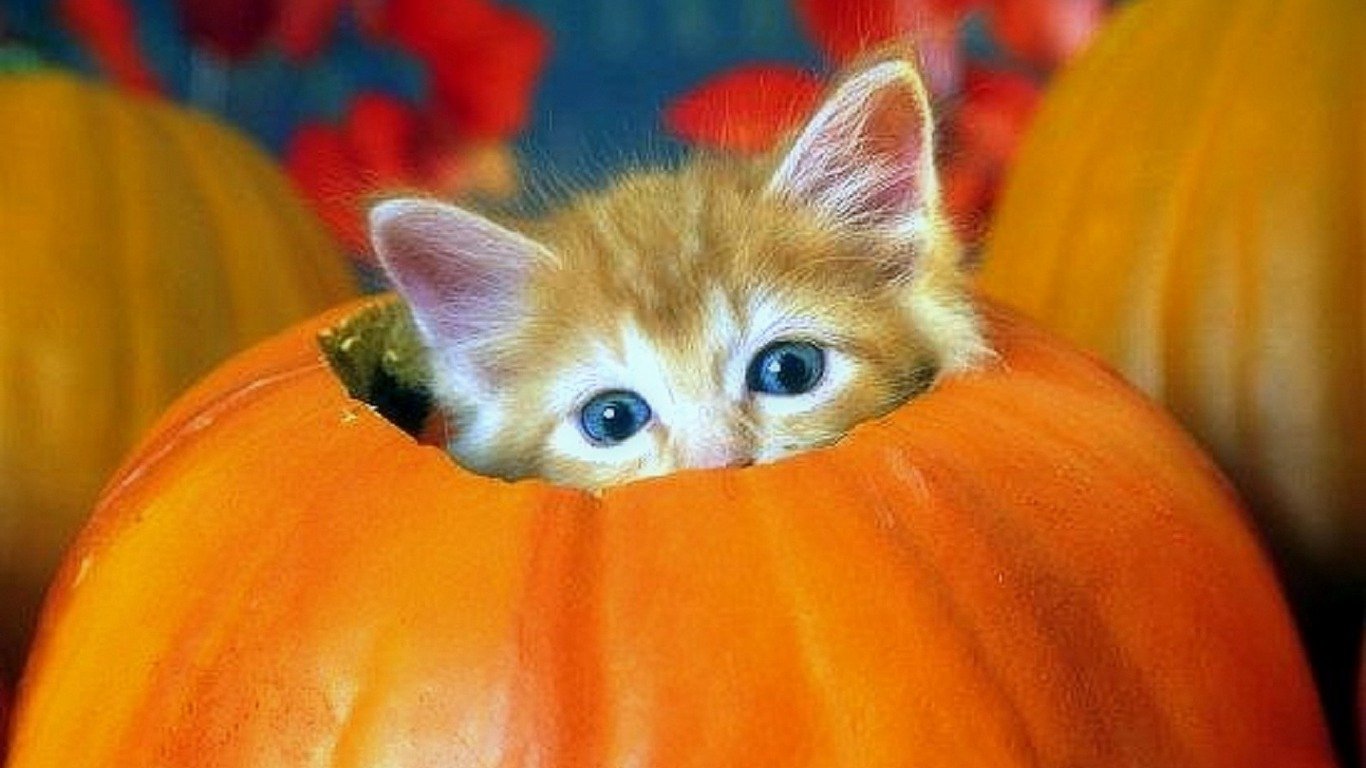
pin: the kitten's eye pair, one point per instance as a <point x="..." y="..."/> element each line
<point x="781" y="368"/>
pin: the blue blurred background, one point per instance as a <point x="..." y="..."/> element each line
<point x="614" y="65"/>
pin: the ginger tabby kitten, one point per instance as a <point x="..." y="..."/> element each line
<point x="718" y="315"/>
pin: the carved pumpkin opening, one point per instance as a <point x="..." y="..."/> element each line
<point x="376" y="354"/>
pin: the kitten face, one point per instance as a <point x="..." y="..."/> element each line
<point x="719" y="315"/>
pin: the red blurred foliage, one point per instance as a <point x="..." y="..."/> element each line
<point x="336" y="166"/>
<point x="384" y="144"/>
<point x="845" y="28"/>
<point x="981" y="140"/>
<point x="106" y="27"/>
<point x="745" y="109"/>
<point x="230" y="28"/>
<point x="237" y="29"/>
<point x="484" y="59"/>
<point x="302" y="27"/>
<point x="453" y="37"/>
<point x="1045" y="32"/>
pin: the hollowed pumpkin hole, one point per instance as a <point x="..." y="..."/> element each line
<point x="376" y="354"/>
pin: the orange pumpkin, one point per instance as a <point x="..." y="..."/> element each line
<point x="1188" y="204"/>
<point x="1361" y="706"/>
<point x="1026" y="566"/>
<point x="4" y="719"/>
<point x="142" y="244"/>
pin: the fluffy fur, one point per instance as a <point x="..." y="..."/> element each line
<point x="668" y="283"/>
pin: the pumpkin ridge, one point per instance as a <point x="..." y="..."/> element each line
<point x="1256" y="334"/>
<point x="1086" y="633"/>
<point x="802" y="589"/>
<point x="119" y="303"/>
<point x="561" y="645"/>
<point x="1106" y="107"/>
<point x="772" y="526"/>
<point x="979" y="411"/>
<point x="175" y="438"/>
<point x="901" y="525"/>
<point x="218" y="198"/>
<point x="282" y="237"/>
<point x="1044" y="275"/>
<point x="131" y="163"/>
<point x="105" y="155"/>
<point x="193" y="649"/>
<point x="1178" y="299"/>
<point x="1086" y="627"/>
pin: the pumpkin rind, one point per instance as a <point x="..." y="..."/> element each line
<point x="1189" y="205"/>
<point x="1026" y="566"/>
<point x="143" y="244"/>
<point x="1205" y="233"/>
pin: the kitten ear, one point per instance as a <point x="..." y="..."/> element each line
<point x="867" y="156"/>
<point x="462" y="276"/>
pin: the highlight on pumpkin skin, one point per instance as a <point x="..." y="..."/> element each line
<point x="723" y="314"/>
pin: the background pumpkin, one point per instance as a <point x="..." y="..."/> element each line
<point x="1028" y="566"/>
<point x="4" y="719"/>
<point x="142" y="244"/>
<point x="1189" y="204"/>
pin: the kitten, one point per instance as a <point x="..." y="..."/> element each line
<point x="718" y="315"/>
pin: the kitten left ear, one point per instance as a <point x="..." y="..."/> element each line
<point x="866" y="158"/>
<point x="462" y="276"/>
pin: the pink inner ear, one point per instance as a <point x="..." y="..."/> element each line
<point x="894" y="135"/>
<point x="460" y="273"/>
<point x="866" y="157"/>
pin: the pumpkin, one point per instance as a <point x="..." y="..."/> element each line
<point x="142" y="245"/>
<point x="1188" y="204"/>
<point x="1029" y="565"/>
<point x="1361" y="706"/>
<point x="4" y="718"/>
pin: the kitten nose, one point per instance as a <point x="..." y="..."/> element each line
<point x="711" y="441"/>
<point x="721" y="456"/>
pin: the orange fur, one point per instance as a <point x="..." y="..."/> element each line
<point x="659" y="282"/>
<point x="655" y="245"/>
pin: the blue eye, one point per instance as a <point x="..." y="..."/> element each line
<point x="786" y="368"/>
<point x="613" y="416"/>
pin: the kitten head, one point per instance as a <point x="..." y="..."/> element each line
<point x="718" y="315"/>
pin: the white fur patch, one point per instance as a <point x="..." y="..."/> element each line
<point x="952" y="328"/>
<point x="641" y="369"/>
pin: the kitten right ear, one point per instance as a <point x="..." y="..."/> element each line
<point x="461" y="275"/>
<point x="866" y="158"/>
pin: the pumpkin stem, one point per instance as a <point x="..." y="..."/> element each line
<point x="379" y="359"/>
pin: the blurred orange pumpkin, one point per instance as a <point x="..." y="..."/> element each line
<point x="1189" y="205"/>
<point x="142" y="245"/>
<point x="1026" y="566"/>
<point x="4" y="718"/>
<point x="1361" y="706"/>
